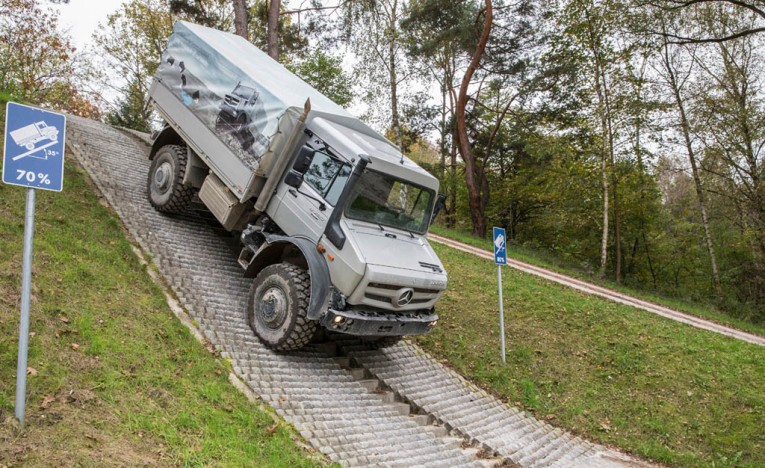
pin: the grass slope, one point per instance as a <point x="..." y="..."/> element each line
<point x="117" y="379"/>
<point x="615" y="374"/>
<point x="708" y="312"/>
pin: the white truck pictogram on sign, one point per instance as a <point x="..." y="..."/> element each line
<point x="32" y="133"/>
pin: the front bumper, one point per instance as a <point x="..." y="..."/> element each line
<point x="379" y="323"/>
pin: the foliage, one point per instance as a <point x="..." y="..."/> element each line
<point x="325" y="73"/>
<point x="38" y="63"/>
<point x="131" y="43"/>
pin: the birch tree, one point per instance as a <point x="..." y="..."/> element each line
<point x="674" y="79"/>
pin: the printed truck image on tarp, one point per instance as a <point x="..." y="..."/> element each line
<point x="222" y="100"/>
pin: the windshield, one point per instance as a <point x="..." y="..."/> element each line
<point x="383" y="199"/>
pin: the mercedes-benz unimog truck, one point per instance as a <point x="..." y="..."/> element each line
<point x="332" y="217"/>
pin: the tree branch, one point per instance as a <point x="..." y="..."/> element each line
<point x="690" y="40"/>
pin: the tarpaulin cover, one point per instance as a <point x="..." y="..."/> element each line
<point x="238" y="91"/>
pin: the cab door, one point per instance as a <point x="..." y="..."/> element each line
<point x="306" y="209"/>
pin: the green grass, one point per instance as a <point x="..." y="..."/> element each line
<point x="705" y="311"/>
<point x="615" y="374"/>
<point x="119" y="380"/>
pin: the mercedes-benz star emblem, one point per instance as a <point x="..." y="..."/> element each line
<point x="405" y="296"/>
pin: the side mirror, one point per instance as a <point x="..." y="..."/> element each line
<point x="440" y="205"/>
<point x="294" y="178"/>
<point x="303" y="160"/>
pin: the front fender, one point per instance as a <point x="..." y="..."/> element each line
<point x="270" y="252"/>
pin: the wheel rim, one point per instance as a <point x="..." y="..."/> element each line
<point x="272" y="308"/>
<point x="163" y="177"/>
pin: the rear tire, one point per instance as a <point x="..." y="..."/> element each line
<point x="165" y="183"/>
<point x="277" y="307"/>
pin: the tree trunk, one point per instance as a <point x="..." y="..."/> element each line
<point x="604" y="235"/>
<point x="606" y="135"/>
<point x="614" y="187"/>
<point x="442" y="131"/>
<point x="394" y="117"/>
<point x="700" y="194"/>
<point x="451" y="221"/>
<point x="617" y="232"/>
<point x="272" y="32"/>
<point x="474" y="199"/>
<point x="240" y="18"/>
<point x="604" y="159"/>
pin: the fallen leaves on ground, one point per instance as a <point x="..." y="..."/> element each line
<point x="47" y="400"/>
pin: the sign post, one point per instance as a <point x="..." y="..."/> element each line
<point x="500" y="258"/>
<point x="33" y="158"/>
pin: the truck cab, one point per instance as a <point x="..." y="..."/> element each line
<point x="385" y="276"/>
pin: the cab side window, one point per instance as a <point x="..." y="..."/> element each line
<point x="327" y="176"/>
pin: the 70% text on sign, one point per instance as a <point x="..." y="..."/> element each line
<point x="30" y="176"/>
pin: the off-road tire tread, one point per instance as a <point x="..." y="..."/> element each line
<point x="182" y="194"/>
<point x="303" y="329"/>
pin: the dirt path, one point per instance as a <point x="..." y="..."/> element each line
<point x="607" y="293"/>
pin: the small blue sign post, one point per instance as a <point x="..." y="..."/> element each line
<point x="33" y="158"/>
<point x="500" y="258"/>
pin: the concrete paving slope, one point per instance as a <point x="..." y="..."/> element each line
<point x="335" y="413"/>
<point x="606" y="293"/>
<point x="473" y="414"/>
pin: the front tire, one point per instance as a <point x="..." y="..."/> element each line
<point x="165" y="183"/>
<point x="277" y="307"/>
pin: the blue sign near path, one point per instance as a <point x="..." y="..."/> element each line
<point x="500" y="251"/>
<point x="34" y="147"/>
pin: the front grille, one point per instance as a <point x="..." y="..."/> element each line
<point x="231" y="100"/>
<point x="386" y="295"/>
<point x="375" y="297"/>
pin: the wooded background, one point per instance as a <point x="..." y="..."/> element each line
<point x="623" y="137"/>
